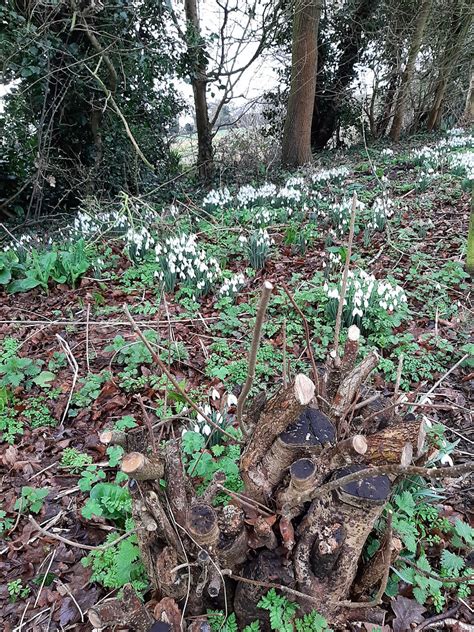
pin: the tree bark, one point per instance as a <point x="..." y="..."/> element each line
<point x="328" y="102"/>
<point x="205" y="158"/>
<point x="409" y="71"/>
<point x="459" y="27"/>
<point x="468" y="115"/>
<point x="296" y="144"/>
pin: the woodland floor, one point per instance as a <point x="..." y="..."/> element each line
<point x="90" y="317"/>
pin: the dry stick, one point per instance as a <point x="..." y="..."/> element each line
<point x="245" y="500"/>
<point x="256" y="582"/>
<point x="53" y="555"/>
<point x="345" y="274"/>
<point x="377" y="600"/>
<point x="442" y="378"/>
<point x="307" y="335"/>
<point x="75" y="368"/>
<point x="171" y="378"/>
<point x="284" y="376"/>
<point x="257" y="332"/>
<point x="147" y="420"/>
<point x="398" y="378"/>
<point x="87" y="337"/>
<point x="58" y="581"/>
<point x="396" y="470"/>
<point x="78" y="545"/>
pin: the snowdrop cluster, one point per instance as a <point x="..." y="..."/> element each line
<point x="463" y="163"/>
<point x="219" y="418"/>
<point x="89" y="226"/>
<point x="233" y="285"/>
<point x="382" y="209"/>
<point x="336" y="174"/>
<point x="138" y="242"/>
<point x="258" y="247"/>
<point x="339" y="215"/>
<point x="181" y="259"/>
<point x="331" y="262"/>
<point x="387" y="152"/>
<point x="427" y="157"/>
<point x="248" y="195"/>
<point x="217" y="198"/>
<point x="364" y="293"/>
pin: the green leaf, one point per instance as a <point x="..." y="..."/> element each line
<point x="420" y="595"/>
<point x="192" y="442"/>
<point x="405" y="503"/>
<point x="125" y="423"/>
<point x="464" y="530"/>
<point x="44" y="379"/>
<point x="23" y="285"/>
<point x="115" y="453"/>
<point x="92" y="508"/>
<point x="451" y="562"/>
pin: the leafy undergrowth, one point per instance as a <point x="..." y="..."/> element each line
<point x="70" y="365"/>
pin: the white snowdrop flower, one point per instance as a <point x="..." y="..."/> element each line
<point x="231" y="400"/>
<point x="215" y="394"/>
<point x="332" y="353"/>
<point x="200" y="418"/>
<point x="196" y="428"/>
<point x="206" y="430"/>
<point x="446" y="460"/>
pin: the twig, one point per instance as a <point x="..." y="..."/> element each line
<point x="442" y="378"/>
<point x="172" y="379"/>
<point x="248" y="502"/>
<point x="78" y="545"/>
<point x="345" y="274"/>
<point x="75" y="369"/>
<point x="285" y="367"/>
<point x="146" y="418"/>
<point x="58" y="581"/>
<point x="23" y="614"/>
<point x="87" y="337"/>
<point x="257" y="332"/>
<point x="307" y="334"/>
<point x="386" y="556"/>
<point x="255" y="582"/>
<point x="45" y="576"/>
<point x="438" y="617"/>
<point x="398" y="378"/>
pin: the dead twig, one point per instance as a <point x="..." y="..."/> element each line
<point x="337" y="328"/>
<point x="78" y="545"/>
<point x="75" y="369"/>
<point x="252" y="360"/>
<point x="307" y="335"/>
<point x="172" y="379"/>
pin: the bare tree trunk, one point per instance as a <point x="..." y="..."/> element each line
<point x="460" y="23"/>
<point x="327" y="105"/>
<point x="205" y="157"/>
<point x="296" y="145"/>
<point x="409" y="71"/>
<point x="468" y="115"/>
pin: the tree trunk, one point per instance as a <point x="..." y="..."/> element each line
<point x="296" y="144"/>
<point x="205" y="158"/>
<point x="327" y="103"/>
<point x="409" y="71"/>
<point x="460" y="24"/>
<point x="468" y="116"/>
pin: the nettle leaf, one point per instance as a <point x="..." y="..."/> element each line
<point x="407" y="532"/>
<point x="464" y="531"/>
<point x="451" y="562"/>
<point x="192" y="442"/>
<point x="405" y="503"/>
<point x="420" y="595"/>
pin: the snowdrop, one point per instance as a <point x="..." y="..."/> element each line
<point x="233" y="285"/>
